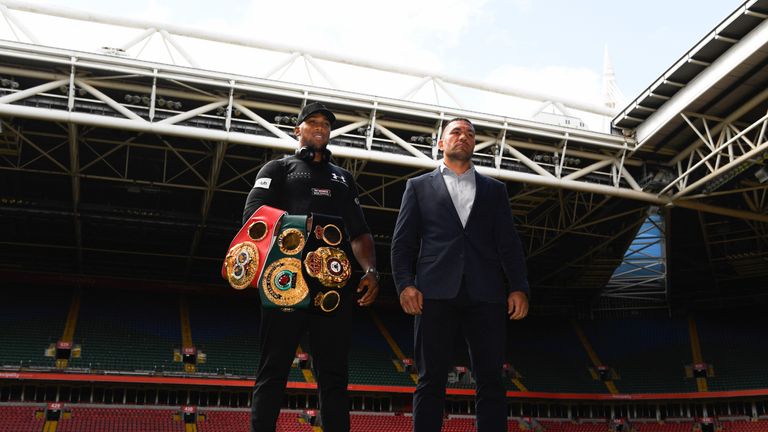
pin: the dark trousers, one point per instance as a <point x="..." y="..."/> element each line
<point x="329" y="340"/>
<point x="484" y="328"/>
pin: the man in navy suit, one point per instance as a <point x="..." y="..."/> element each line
<point x="453" y="238"/>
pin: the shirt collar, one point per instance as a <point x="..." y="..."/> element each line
<point x="445" y="170"/>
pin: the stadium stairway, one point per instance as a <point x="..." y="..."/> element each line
<point x="549" y="357"/>
<point x="649" y="353"/>
<point x="609" y="384"/>
<point x="68" y="334"/>
<point x="399" y="356"/>
<point x="186" y="332"/>
<point x="701" y="383"/>
<point x="305" y="371"/>
<point x="374" y="357"/>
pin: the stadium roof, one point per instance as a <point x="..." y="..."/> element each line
<point x="704" y="124"/>
<point x="728" y="63"/>
<point x="120" y="168"/>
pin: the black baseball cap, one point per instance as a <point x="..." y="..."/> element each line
<point x="314" y="108"/>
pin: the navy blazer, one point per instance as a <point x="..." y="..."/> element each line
<point x="433" y="251"/>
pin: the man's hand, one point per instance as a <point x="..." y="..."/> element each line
<point x="370" y="285"/>
<point x="517" y="305"/>
<point x="411" y="300"/>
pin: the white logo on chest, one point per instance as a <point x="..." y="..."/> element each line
<point x="263" y="183"/>
<point x="338" y="178"/>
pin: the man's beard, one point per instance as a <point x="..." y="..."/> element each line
<point x="459" y="155"/>
<point x="315" y="146"/>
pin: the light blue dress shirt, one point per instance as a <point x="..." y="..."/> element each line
<point x="461" y="188"/>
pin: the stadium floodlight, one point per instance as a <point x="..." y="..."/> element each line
<point x="7" y="82"/>
<point x="421" y="139"/>
<point x="762" y="175"/>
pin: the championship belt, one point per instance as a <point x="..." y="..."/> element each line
<point x="281" y="284"/>
<point x="246" y="255"/>
<point x="326" y="266"/>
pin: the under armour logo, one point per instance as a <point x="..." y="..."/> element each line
<point x="338" y="178"/>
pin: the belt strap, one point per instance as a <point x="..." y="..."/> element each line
<point x="326" y="266"/>
<point x="246" y="255"/>
<point x="281" y="284"/>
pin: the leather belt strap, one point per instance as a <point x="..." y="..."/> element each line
<point x="282" y="284"/>
<point x="326" y="264"/>
<point x="246" y="255"/>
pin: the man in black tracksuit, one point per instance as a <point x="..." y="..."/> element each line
<point x="306" y="183"/>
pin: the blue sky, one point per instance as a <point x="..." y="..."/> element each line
<point x="644" y="38"/>
<point x="554" y="46"/>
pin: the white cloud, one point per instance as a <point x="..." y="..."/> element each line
<point x="431" y="36"/>
<point x="580" y="84"/>
<point x="403" y="32"/>
<point x="522" y="5"/>
<point x="156" y="12"/>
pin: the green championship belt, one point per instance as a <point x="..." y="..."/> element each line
<point x="326" y="266"/>
<point x="282" y="284"/>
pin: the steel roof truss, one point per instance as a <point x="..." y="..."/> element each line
<point x="733" y="146"/>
